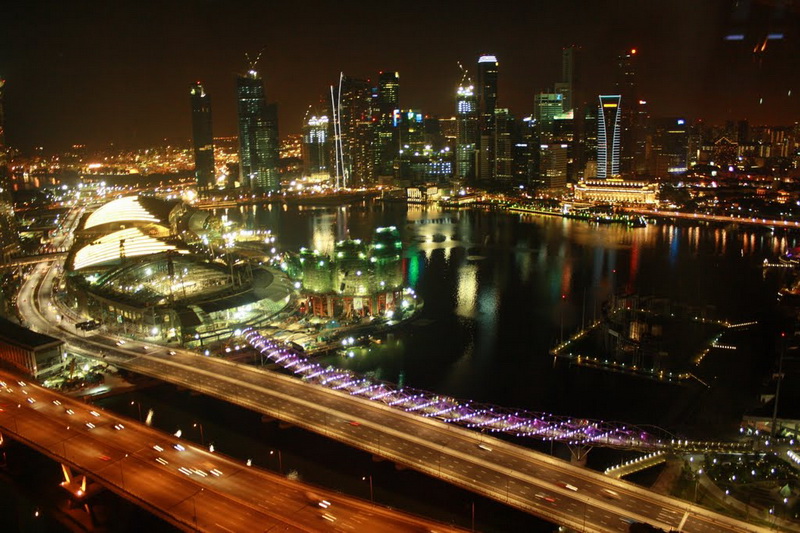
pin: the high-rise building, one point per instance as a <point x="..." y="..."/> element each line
<point x="553" y="159"/>
<point x="258" y="135"/>
<point x="631" y="123"/>
<point x="386" y="102"/>
<point x="669" y="153"/>
<point x="355" y="117"/>
<point x="202" y="137"/>
<point x="546" y="107"/>
<point x="505" y="135"/>
<point x="487" y="103"/>
<point x="570" y="86"/>
<point x="316" y="145"/>
<point x="608" y="136"/>
<point x="468" y="130"/>
<point x="574" y="100"/>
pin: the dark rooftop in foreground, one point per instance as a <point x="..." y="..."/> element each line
<point x="16" y="335"/>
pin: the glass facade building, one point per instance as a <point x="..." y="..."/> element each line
<point x="258" y="135"/>
<point x="202" y="137"/>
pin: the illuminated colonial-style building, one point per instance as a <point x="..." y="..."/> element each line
<point x="616" y="191"/>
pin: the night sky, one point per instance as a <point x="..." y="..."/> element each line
<point x="118" y="71"/>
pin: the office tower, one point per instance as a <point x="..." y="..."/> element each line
<point x="569" y="87"/>
<point x="202" y="137"/>
<point x="608" y="136"/>
<point x="487" y="102"/>
<point x="553" y="158"/>
<point x="467" y="130"/>
<point x="386" y="101"/>
<point x="355" y="116"/>
<point x="631" y="127"/>
<point x="258" y="135"/>
<point x="316" y="145"/>
<point x="587" y="165"/>
<point x="505" y="135"/>
<point x="546" y="107"/>
<point x="669" y="152"/>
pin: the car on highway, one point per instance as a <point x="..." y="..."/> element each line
<point x="611" y="494"/>
<point x="120" y="342"/>
<point x="568" y="486"/>
<point x="545" y="497"/>
<point x="354" y="423"/>
<point x="172" y="352"/>
<point x="484" y="447"/>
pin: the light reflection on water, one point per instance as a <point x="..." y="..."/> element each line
<point x="500" y="288"/>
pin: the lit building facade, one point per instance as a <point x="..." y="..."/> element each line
<point x="386" y="101"/>
<point x="357" y="280"/>
<point x="616" y="191"/>
<point x="202" y="137"/>
<point x="357" y="130"/>
<point x="487" y="103"/>
<point x="316" y="145"/>
<point x="258" y="135"/>
<point x="467" y="130"/>
<point x="162" y="270"/>
<point x="608" y="136"/>
<point x="669" y="152"/>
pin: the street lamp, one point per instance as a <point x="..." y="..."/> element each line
<point x="140" y="408"/>
<point x="280" y="461"/>
<point x="202" y="437"/>
<point x="371" y="495"/>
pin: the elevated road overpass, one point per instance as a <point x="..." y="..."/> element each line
<point x="185" y="485"/>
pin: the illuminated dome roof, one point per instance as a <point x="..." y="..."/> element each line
<point x="141" y="209"/>
<point x="130" y="242"/>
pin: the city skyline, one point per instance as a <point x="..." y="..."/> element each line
<point x="118" y="74"/>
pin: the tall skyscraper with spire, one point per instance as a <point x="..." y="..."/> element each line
<point x="202" y="137"/>
<point x="258" y="135"/>
<point x="487" y="103"/>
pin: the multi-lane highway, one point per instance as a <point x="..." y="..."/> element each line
<point x="185" y="485"/>
<point x="534" y="482"/>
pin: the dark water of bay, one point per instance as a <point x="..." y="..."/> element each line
<point x="500" y="289"/>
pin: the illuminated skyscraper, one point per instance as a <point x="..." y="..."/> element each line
<point x="258" y="135"/>
<point x="546" y="107"/>
<point x="467" y="137"/>
<point x="316" y="145"/>
<point x="357" y="130"/>
<point x="202" y="137"/>
<point x="504" y="136"/>
<point x="487" y="103"/>
<point x="608" y="135"/>
<point x="632" y="136"/>
<point x="386" y="102"/>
